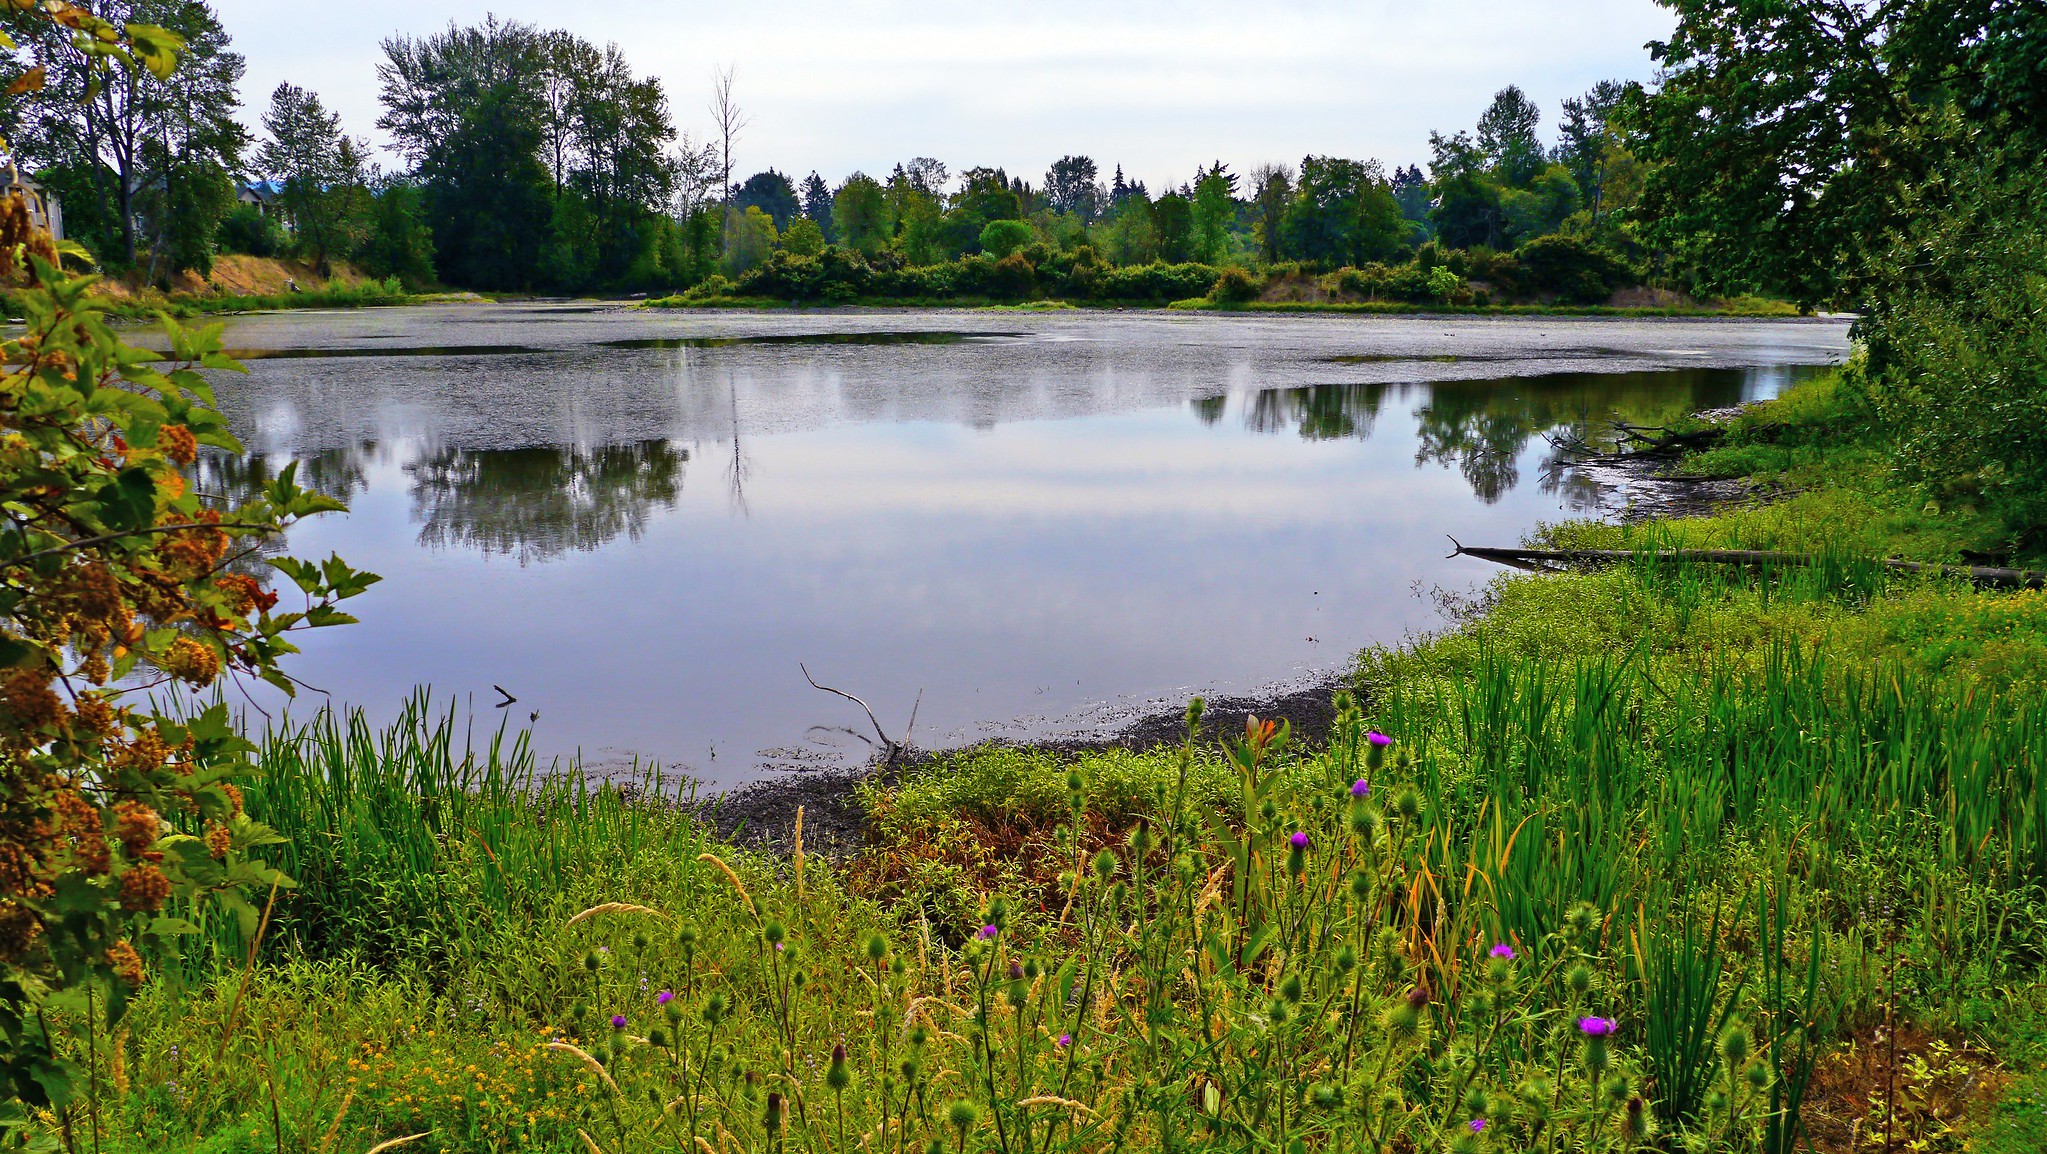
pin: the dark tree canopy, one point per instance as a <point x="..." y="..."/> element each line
<point x="772" y="193"/>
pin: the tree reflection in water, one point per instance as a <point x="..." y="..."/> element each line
<point x="1482" y="427"/>
<point x="539" y="503"/>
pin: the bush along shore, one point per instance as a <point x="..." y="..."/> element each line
<point x="1550" y="274"/>
<point x="1656" y="856"/>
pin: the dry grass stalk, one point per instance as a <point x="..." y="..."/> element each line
<point x="117" y="1062"/>
<point x="614" y="908"/>
<point x="705" y="1146"/>
<point x="715" y="860"/>
<point x="596" y="1067"/>
<point x="590" y="1142"/>
<point x="1055" y="1100"/>
<point x="799" y="857"/>
<point x="395" y="1143"/>
<point x="334" y="1128"/>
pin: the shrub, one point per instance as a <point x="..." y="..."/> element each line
<point x="1957" y="369"/>
<point x="118" y="578"/>
<point x="1234" y="286"/>
<point x="1003" y="237"/>
<point x="247" y="230"/>
<point x="1158" y="282"/>
<point x="1574" y="271"/>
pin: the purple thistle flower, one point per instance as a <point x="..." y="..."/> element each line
<point x="1361" y="788"/>
<point x="664" y="997"/>
<point x="1478" y="1125"/>
<point x="1597" y="1027"/>
<point x="1503" y="950"/>
<point x="1378" y="739"/>
<point x="1299" y="840"/>
<point x="1065" y="1040"/>
<point x="988" y="933"/>
<point x="618" y="1021"/>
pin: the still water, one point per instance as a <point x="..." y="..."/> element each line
<point x="639" y="524"/>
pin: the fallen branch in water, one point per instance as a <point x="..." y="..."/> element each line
<point x="1555" y="560"/>
<point x="891" y="748"/>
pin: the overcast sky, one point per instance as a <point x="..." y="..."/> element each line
<point x="839" y="85"/>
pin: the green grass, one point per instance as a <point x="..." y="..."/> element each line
<point x="368" y="294"/>
<point x="1715" y="804"/>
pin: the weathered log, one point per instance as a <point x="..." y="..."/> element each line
<point x="1554" y="560"/>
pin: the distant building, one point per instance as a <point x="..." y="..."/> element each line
<point x="266" y="196"/>
<point x="43" y="205"/>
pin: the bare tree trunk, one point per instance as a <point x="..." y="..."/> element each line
<point x="730" y="119"/>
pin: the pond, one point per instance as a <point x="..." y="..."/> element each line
<point x="644" y="525"/>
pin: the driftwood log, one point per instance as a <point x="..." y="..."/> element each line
<point x="1555" y="560"/>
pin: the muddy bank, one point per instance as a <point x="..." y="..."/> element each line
<point x="834" y="822"/>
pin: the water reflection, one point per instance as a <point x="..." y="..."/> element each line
<point x="1482" y="428"/>
<point x="1013" y="526"/>
<point x="538" y="504"/>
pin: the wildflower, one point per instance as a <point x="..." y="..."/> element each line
<point x="837" y="1076"/>
<point x="1361" y="788"/>
<point x="1299" y="840"/>
<point x="1375" y="749"/>
<point x="1378" y="739"/>
<point x="1065" y="1040"/>
<point x="618" y="1021"/>
<point x="1597" y="1027"/>
<point x="664" y="997"/>
<point x="1477" y="1125"/>
<point x="1503" y="951"/>
<point x="988" y="933"/>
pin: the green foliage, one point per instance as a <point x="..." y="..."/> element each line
<point x="115" y="578"/>
<point x="248" y="230"/>
<point x="804" y="238"/>
<point x="398" y="243"/>
<point x="1571" y="270"/>
<point x="1957" y="368"/>
<point x="1003" y="237"/>
<point x="1783" y="139"/>
<point x="1234" y="286"/>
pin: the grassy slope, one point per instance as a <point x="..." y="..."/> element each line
<point x="428" y="958"/>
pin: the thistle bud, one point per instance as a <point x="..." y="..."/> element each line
<point x="1408" y="803"/>
<point x="1734" y="1045"/>
<point x="877" y="948"/>
<point x="1105" y="866"/>
<point x="1290" y="988"/>
<point x="963" y="1115"/>
<point x="774" y="932"/>
<point x="1636" y="1122"/>
<point x="836" y="1075"/>
<point x="1403" y="1019"/>
<point x="773" y="1121"/>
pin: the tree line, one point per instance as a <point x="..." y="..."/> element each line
<point x="533" y="160"/>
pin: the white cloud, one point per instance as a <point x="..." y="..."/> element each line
<point x="838" y="85"/>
